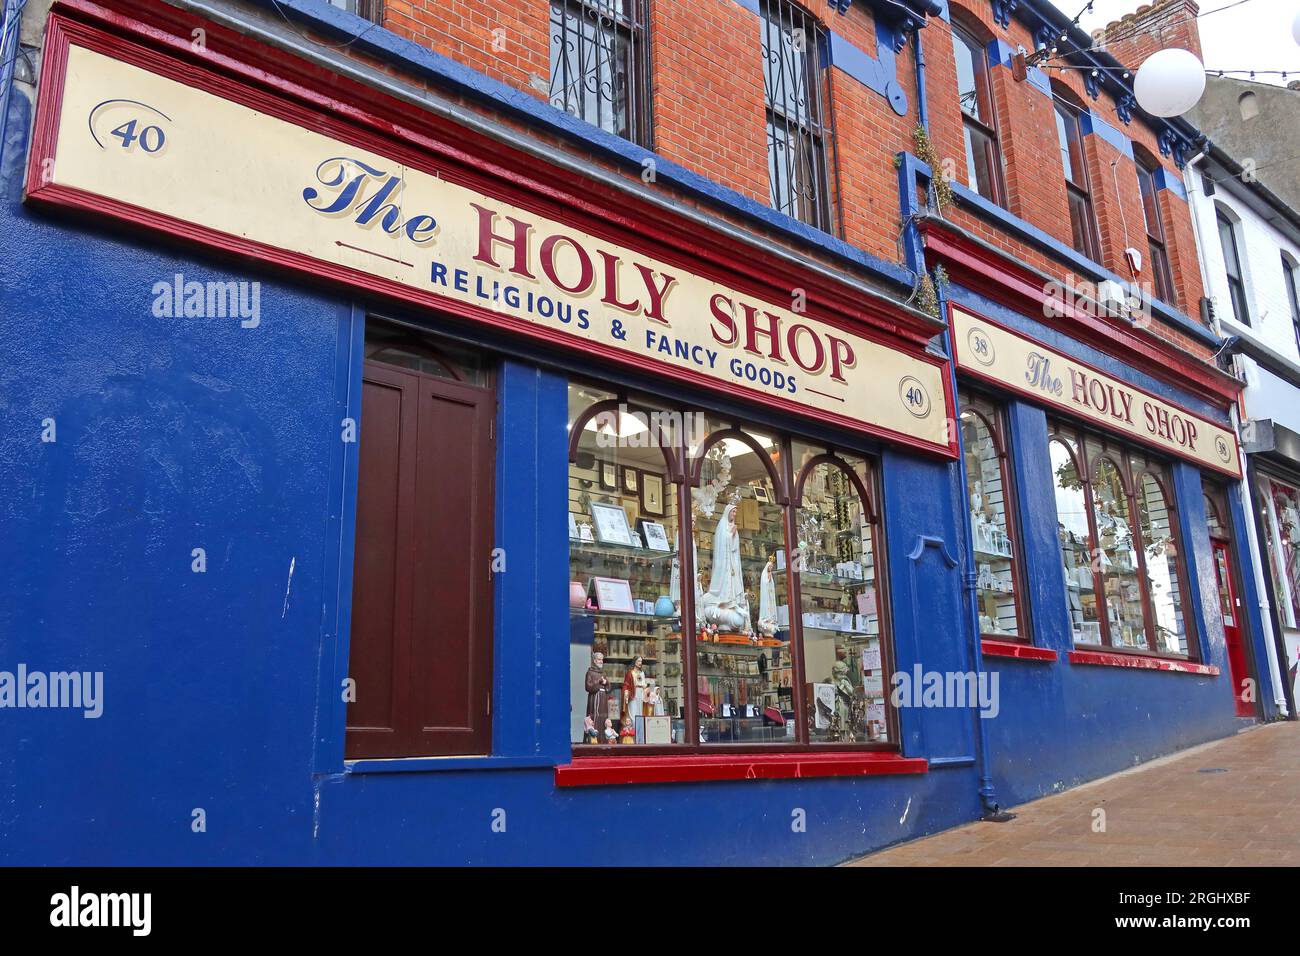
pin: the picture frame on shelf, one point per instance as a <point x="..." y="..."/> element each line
<point x="613" y="594"/>
<point x="608" y="475"/>
<point x="656" y="536"/>
<point x="630" y="483"/>
<point x="573" y="526"/>
<point x="652" y="494"/>
<point x="761" y="495"/>
<point x="611" y="525"/>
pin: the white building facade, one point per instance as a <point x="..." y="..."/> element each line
<point x="1250" y="261"/>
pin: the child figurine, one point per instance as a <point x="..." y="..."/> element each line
<point x="589" y="735"/>
<point x="628" y="734"/>
<point x="611" y="736"/>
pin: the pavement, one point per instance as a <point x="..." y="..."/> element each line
<point x="1233" y="802"/>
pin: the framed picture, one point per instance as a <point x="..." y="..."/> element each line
<point x="760" y="494"/>
<point x="652" y="494"/>
<point x="630" y="483"/>
<point x="611" y="524"/>
<point x="613" y="594"/>
<point x="573" y="526"/>
<point x="656" y="538"/>
<point x="608" y="475"/>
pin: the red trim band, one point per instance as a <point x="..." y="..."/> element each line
<point x="1109" y="659"/>
<point x="1025" y="652"/>
<point x="607" y="771"/>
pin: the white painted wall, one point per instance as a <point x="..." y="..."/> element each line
<point x="1260" y="246"/>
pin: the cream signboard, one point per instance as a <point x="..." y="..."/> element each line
<point x="134" y="137"/>
<point x="992" y="352"/>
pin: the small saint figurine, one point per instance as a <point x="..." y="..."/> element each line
<point x="628" y="734"/>
<point x="597" y="685"/>
<point x="589" y="735"/>
<point x="634" y="688"/>
<point x="611" y="735"/>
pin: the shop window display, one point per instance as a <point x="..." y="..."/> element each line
<point x="624" y="600"/>
<point x="744" y="679"/>
<point x="839" y="599"/>
<point x="1074" y="534"/>
<point x="992" y="526"/>
<point x="696" y="647"/>
<point x="1121" y="557"/>
<point x="1116" y="556"/>
<point x="1161" y="553"/>
<point x="1280" y="505"/>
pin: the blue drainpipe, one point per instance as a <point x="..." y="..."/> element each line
<point x="915" y="251"/>
<point x="10" y="29"/>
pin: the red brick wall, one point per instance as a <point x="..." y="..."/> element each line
<point x="708" y="110"/>
<point x="1033" y="172"/>
<point x="508" y="42"/>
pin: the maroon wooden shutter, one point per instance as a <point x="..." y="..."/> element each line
<point x="421" y="645"/>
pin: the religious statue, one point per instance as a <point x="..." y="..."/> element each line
<point x="589" y="735"/>
<point x="634" y="689"/>
<point x="767" y="623"/>
<point x="597" y="685"/>
<point x="725" y="603"/>
<point x="844" y="700"/>
<point x="628" y="734"/>
<point x="611" y="735"/>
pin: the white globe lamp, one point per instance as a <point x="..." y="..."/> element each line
<point x="1169" y="82"/>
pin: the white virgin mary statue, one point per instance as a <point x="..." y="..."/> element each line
<point x="725" y="603"/>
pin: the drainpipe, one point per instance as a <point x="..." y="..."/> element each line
<point x="10" y="35"/>
<point x="988" y="798"/>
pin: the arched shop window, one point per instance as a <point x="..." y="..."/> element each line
<point x="1124" y="574"/>
<point x="625" y="602"/>
<point x="696" y="647"/>
<point x="837" y="563"/>
<point x="1074" y="533"/>
<point x="991" y="508"/>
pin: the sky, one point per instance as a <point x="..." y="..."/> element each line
<point x="1255" y="35"/>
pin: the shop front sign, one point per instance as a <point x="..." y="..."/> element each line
<point x="989" y="351"/>
<point x="180" y="151"/>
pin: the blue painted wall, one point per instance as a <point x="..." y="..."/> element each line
<point x="221" y="688"/>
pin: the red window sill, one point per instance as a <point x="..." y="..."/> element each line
<point x="1025" y="652"/>
<point x="605" y="771"/>
<point x="1104" y="659"/>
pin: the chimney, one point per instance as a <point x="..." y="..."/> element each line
<point x="1156" y="26"/>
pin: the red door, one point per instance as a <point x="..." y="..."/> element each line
<point x="421" y="638"/>
<point x="1231" y="608"/>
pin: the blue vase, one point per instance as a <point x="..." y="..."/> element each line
<point x="664" y="606"/>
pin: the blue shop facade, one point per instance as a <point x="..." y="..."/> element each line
<point x="374" y="542"/>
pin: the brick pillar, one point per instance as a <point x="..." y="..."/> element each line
<point x="1117" y="201"/>
<point x="1180" y="241"/>
<point x="1031" y="153"/>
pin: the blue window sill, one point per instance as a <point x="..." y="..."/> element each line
<point x="428" y="764"/>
